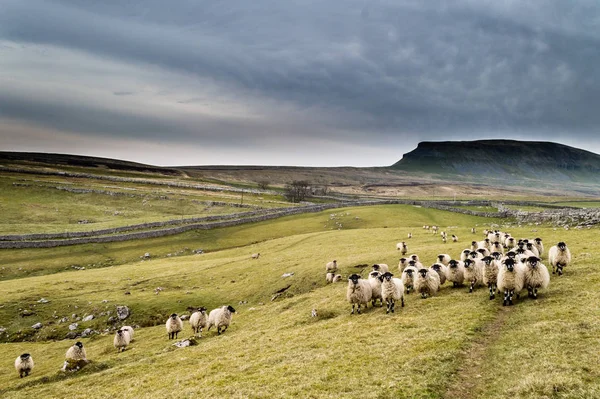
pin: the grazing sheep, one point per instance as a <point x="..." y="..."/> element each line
<point x="329" y="277"/>
<point x="540" y="246"/>
<point x="256" y="255"/>
<point x="536" y="276"/>
<point x="473" y="273"/>
<point x="24" y="365"/>
<point x="490" y="274"/>
<point x="455" y="272"/>
<point x="220" y="318"/>
<point x="510" y="280"/>
<point x="375" y="281"/>
<point x="75" y="358"/>
<point x="443" y="234"/>
<point x="174" y="325"/>
<point x="337" y="278"/>
<point x="408" y="277"/>
<point x="434" y="229"/>
<point x="402" y="264"/>
<point x="129" y="329"/>
<point x="444" y="259"/>
<point x="392" y="290"/>
<point x="331" y="266"/>
<point x="358" y="292"/>
<point x="427" y="282"/>
<point x="454" y="238"/>
<point x="465" y="254"/>
<point x="121" y="340"/>
<point x="381" y="267"/>
<point x="559" y="257"/>
<point x="440" y="269"/>
<point x="199" y="320"/>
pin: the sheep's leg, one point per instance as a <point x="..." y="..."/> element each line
<point x="510" y="297"/>
<point x="20" y="373"/>
<point x="423" y="295"/>
<point x="471" y="286"/>
<point x="491" y="288"/>
<point x="387" y="308"/>
<point x="358" y="309"/>
<point x="559" y="268"/>
<point x="553" y="272"/>
<point x="505" y="301"/>
<point x="393" y="305"/>
<point x="352" y="309"/>
<point x="529" y="292"/>
<point x="535" y="293"/>
<point x="454" y="284"/>
<point x="218" y="330"/>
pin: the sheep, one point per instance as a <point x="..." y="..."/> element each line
<point x="559" y="257"/>
<point x="375" y="282"/>
<point x="483" y="252"/>
<point x="329" y="277"/>
<point x="474" y="245"/>
<point x="536" y="276"/>
<point x="392" y="290"/>
<point x="486" y="243"/>
<point x="358" y="292"/>
<point x="415" y="264"/>
<point x="496" y="247"/>
<point x="454" y="238"/>
<point x="510" y="243"/>
<point x="130" y="331"/>
<point x="331" y="266"/>
<point x="443" y="234"/>
<point x="409" y="235"/>
<point x="533" y="249"/>
<point x="427" y="282"/>
<point x="75" y="358"/>
<point x="473" y="230"/>
<point x="220" y="318"/>
<point x="401" y="246"/>
<point x="496" y="255"/>
<point x="337" y="278"/>
<point x="121" y="340"/>
<point x="174" y="325"/>
<point x="473" y="273"/>
<point x="444" y="259"/>
<point x="490" y="274"/>
<point x="540" y="246"/>
<point x="464" y="254"/>
<point x="414" y="257"/>
<point x="444" y="239"/>
<point x="199" y="320"/>
<point x="24" y="365"/>
<point x="455" y="272"/>
<point x="381" y="267"/>
<point x="440" y="269"/>
<point x="402" y="264"/>
<point x="434" y="229"/>
<point x="408" y="277"/>
<point x="256" y="255"/>
<point x="510" y="280"/>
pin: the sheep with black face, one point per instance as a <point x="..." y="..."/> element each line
<point x="198" y="320"/>
<point x="427" y="282"/>
<point x="536" y="276"/>
<point x="491" y="266"/>
<point x="174" y="325"/>
<point x="455" y="272"/>
<point x="444" y="259"/>
<point x="440" y="269"/>
<point x="380" y="267"/>
<point x="510" y="280"/>
<point x="121" y="340"/>
<point x="358" y="292"/>
<point x="375" y="281"/>
<point x="392" y="290"/>
<point x="559" y="256"/>
<point x="473" y="273"/>
<point x="24" y="365"/>
<point x="220" y="318"/>
<point x="408" y="277"/>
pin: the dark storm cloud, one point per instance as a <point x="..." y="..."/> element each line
<point x="356" y="70"/>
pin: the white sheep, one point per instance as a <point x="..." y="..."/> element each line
<point x="440" y="269"/>
<point x="402" y="264"/>
<point x="408" y="277"/>
<point x="444" y="259"/>
<point x="540" y="246"/>
<point x="491" y="266"/>
<point x="256" y="255"/>
<point x="75" y="358"/>
<point x="473" y="230"/>
<point x="220" y="318"/>
<point x="559" y="257"/>
<point x="473" y="273"/>
<point x="464" y="254"/>
<point x="129" y="329"/>
<point x="24" y="365"/>
<point x="331" y="266"/>
<point x="199" y="320"/>
<point x="121" y="340"/>
<point x="409" y="235"/>
<point x="375" y="282"/>
<point x="474" y="245"/>
<point x="392" y="290"/>
<point x="511" y="243"/>
<point x="454" y="238"/>
<point x="381" y="268"/>
<point x="427" y="282"/>
<point x="337" y="278"/>
<point x="533" y="249"/>
<point x="174" y="325"/>
<point x="358" y="291"/>
<point x="483" y="252"/>
<point x="536" y="276"/>
<point x="496" y="247"/>
<point x="329" y="277"/>
<point x="455" y="272"/>
<point x="401" y="246"/>
<point x="414" y="257"/>
<point x="510" y="280"/>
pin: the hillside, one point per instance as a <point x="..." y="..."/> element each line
<point x="503" y="160"/>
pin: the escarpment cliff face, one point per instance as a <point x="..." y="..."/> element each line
<point x="503" y="159"/>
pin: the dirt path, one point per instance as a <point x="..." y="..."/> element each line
<point x="465" y="382"/>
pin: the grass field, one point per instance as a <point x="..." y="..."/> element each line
<point x="454" y="345"/>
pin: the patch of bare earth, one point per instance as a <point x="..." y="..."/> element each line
<point x="464" y="384"/>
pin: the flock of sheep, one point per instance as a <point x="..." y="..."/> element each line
<point x="76" y="357"/>
<point x="499" y="262"/>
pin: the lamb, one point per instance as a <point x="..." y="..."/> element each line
<point x="408" y="277"/>
<point x="337" y="278"/>
<point x="381" y="267"/>
<point x="220" y="318"/>
<point x="444" y="259"/>
<point x="24" y="365"/>
<point x="329" y="277"/>
<point x="199" y="320"/>
<point x="331" y="266"/>
<point x="392" y="290"/>
<point x="559" y="257"/>
<point x="510" y="280"/>
<point x="375" y="282"/>
<point x="174" y="325"/>
<point x="427" y="282"/>
<point x="121" y="340"/>
<point x="473" y="273"/>
<point x="130" y="331"/>
<point x="401" y="246"/>
<point x="358" y="292"/>
<point x="402" y="264"/>
<point x="256" y="255"/>
<point x="454" y="238"/>
<point x="75" y="358"/>
<point x="536" y="276"/>
<point x="455" y="272"/>
<point x="440" y="269"/>
<point x="490" y="274"/>
<point x="539" y="245"/>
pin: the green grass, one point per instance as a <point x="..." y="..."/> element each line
<point x="527" y="208"/>
<point x="543" y="348"/>
<point x="581" y="204"/>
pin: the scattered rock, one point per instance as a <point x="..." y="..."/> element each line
<point x="27" y="312"/>
<point x="112" y="319"/>
<point x="64" y="320"/>
<point x="87" y="332"/>
<point x="72" y="335"/>
<point x="122" y="312"/>
<point x="127" y="293"/>
<point x="284" y="275"/>
<point x="88" y="317"/>
<point x="73" y="326"/>
<point x="43" y="300"/>
<point x="146" y="256"/>
<point x="37" y="326"/>
<point x="186" y="342"/>
<point x="198" y="251"/>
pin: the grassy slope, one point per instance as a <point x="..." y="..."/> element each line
<point x="277" y="350"/>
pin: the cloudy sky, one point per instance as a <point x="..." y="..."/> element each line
<point x="272" y="82"/>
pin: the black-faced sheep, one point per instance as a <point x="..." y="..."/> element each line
<point x="408" y="277"/>
<point x="174" y="325"/>
<point x="473" y="273"/>
<point x="375" y="282"/>
<point x="199" y="320"/>
<point x="427" y="282"/>
<point x="454" y="238"/>
<point x="401" y="246"/>
<point x="381" y="268"/>
<point x="536" y="276"/>
<point x="444" y="259"/>
<point x="331" y="266"/>
<point x="24" y="365"/>
<point x="510" y="280"/>
<point x="455" y="272"/>
<point x="539" y="245"/>
<point x="464" y="254"/>
<point x="121" y="340"/>
<point x="491" y="267"/>
<point x="533" y="249"/>
<point x="75" y="358"/>
<point x="358" y="292"/>
<point x="220" y="318"/>
<point x="392" y="290"/>
<point x="440" y="269"/>
<point x="337" y="278"/>
<point x="329" y="277"/>
<point x="256" y="255"/>
<point x="129" y="329"/>
<point x="402" y="264"/>
<point x="559" y="256"/>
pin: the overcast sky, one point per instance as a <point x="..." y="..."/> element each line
<point x="272" y="82"/>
